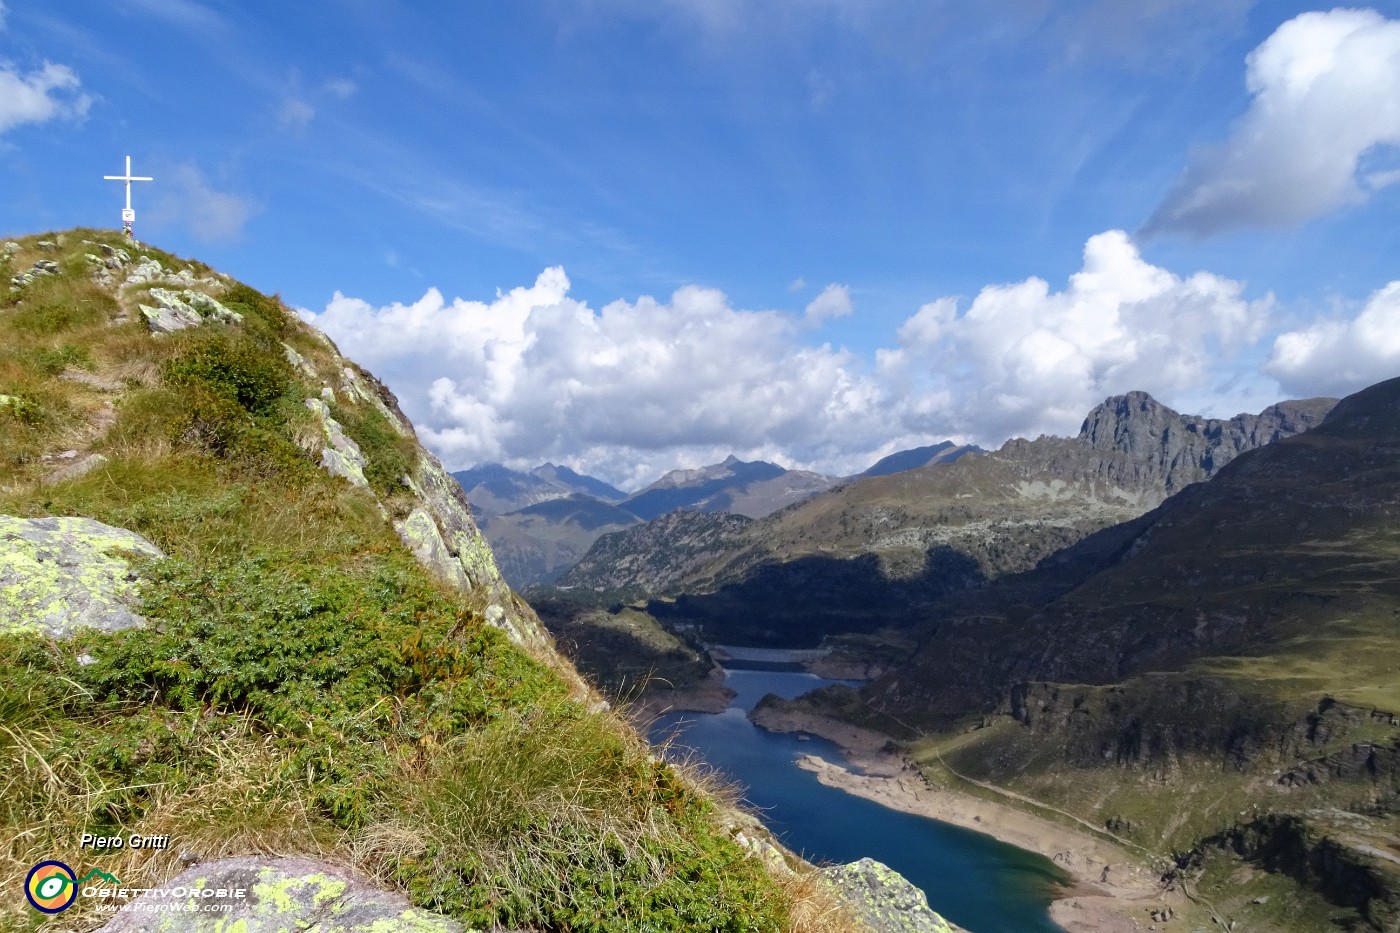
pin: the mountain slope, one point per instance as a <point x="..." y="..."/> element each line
<point x="1219" y="678"/>
<point x="324" y="629"/>
<point x="752" y="489"/>
<point x="655" y="555"/>
<point x="913" y="459"/>
<point x="537" y="543"/>
<point x="879" y="550"/>
<point x="496" y="489"/>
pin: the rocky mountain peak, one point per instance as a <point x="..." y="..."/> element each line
<point x="1168" y="451"/>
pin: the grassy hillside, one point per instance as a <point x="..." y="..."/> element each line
<point x="304" y="684"/>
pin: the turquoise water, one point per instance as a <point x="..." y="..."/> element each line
<point x="975" y="881"/>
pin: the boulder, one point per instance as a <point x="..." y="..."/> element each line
<point x="61" y="574"/>
<point x="277" y="894"/>
<point x="882" y="899"/>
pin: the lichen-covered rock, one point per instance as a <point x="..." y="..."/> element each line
<point x="444" y="499"/>
<point x="61" y="574"/>
<point x="300" y="362"/>
<point x="147" y="270"/>
<point x="341" y="456"/>
<point x="882" y="899"/>
<point x="278" y="895"/>
<point x="423" y="538"/>
<point x="178" y="310"/>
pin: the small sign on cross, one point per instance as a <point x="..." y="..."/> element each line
<point x="128" y="215"/>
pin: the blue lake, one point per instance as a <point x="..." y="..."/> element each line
<point x="982" y="885"/>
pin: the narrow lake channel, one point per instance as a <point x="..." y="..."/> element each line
<point x="973" y="880"/>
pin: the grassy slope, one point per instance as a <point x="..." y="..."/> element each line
<point x="302" y="671"/>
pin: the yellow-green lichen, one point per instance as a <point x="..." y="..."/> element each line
<point x="61" y="574"/>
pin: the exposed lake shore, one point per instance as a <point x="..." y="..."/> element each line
<point x="1112" y="891"/>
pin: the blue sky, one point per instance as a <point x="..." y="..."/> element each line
<point x="632" y="235"/>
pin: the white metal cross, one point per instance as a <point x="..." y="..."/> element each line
<point x="128" y="215"/>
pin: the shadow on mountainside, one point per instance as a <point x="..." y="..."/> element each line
<point x="796" y="603"/>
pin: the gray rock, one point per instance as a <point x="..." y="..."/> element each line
<point x="301" y="364"/>
<point x="47" y="245"/>
<point x="178" y="310"/>
<point x="164" y="320"/>
<point x="423" y="538"/>
<point x="46" y="267"/>
<point x="272" y="895"/>
<point x="209" y="307"/>
<point x="882" y="899"/>
<point x="341" y="456"/>
<point x="61" y="574"/>
<point x="147" y="270"/>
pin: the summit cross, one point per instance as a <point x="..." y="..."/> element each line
<point x="128" y="215"/>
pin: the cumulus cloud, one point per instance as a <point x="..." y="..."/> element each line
<point x="833" y="302"/>
<point x="626" y="391"/>
<point x="48" y="93"/>
<point x="636" y="388"/>
<point x="1325" y="88"/>
<point x="1023" y="359"/>
<point x="1338" y="356"/>
<point x="187" y="198"/>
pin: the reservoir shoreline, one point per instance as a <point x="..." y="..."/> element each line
<point x="1113" y="891"/>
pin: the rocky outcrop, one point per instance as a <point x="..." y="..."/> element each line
<point x="882" y="900"/>
<point x="340" y="456"/>
<point x="272" y="895"/>
<point x="1166" y="451"/>
<point x="178" y="310"/>
<point x="58" y="575"/>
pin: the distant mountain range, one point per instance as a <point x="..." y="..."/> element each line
<point x="945" y="452"/>
<point x="535" y="542"/>
<point x="496" y="489"/>
<point x="877" y="550"/>
<point x="752" y="489"/>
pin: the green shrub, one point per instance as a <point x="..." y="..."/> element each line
<point x="390" y="455"/>
<point x="231" y="365"/>
<point x="258" y="310"/>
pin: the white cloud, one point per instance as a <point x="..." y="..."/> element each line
<point x="186" y="198"/>
<point x="833" y="302"/>
<point x="797" y="284"/>
<point x="52" y="92"/>
<point x="3" y="13"/>
<point x="295" y="115"/>
<point x="1025" y="360"/>
<point x="1324" y="88"/>
<point x="636" y="388"/>
<point x="626" y="391"/>
<point x="1338" y="356"/>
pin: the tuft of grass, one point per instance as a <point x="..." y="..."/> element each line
<point x="556" y="820"/>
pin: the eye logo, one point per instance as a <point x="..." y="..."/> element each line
<point x="51" y="887"/>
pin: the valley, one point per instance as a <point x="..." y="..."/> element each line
<point x="1185" y="634"/>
